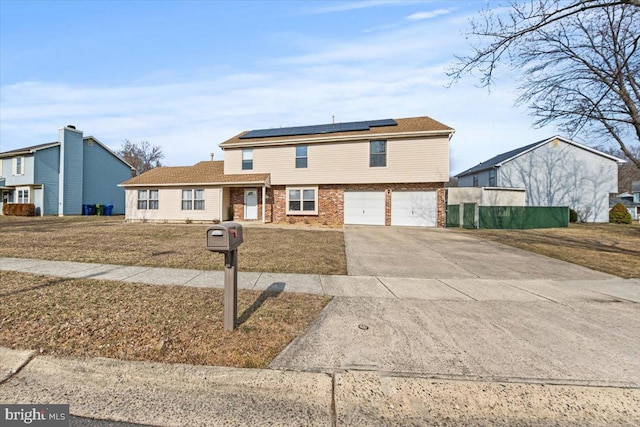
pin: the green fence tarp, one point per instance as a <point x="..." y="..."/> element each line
<point x="521" y="217"/>
<point x="469" y="215"/>
<point x="453" y="215"/>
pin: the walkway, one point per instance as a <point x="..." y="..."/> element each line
<point x="470" y="289"/>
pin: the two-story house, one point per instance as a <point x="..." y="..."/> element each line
<point x="554" y="172"/>
<point x="382" y="172"/>
<point x="60" y="176"/>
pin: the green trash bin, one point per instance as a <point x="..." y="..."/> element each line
<point x="99" y="209"/>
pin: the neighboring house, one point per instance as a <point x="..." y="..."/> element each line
<point x="630" y="200"/>
<point x="554" y="172"/>
<point x="60" y="177"/>
<point x="383" y="172"/>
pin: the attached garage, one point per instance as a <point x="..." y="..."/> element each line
<point x="364" y="207"/>
<point x="414" y="208"/>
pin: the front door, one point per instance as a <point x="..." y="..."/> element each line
<point x="251" y="203"/>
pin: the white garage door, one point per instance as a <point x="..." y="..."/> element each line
<point x="364" y="207"/>
<point x="414" y="208"/>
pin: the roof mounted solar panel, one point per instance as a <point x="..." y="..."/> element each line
<point x="318" y="129"/>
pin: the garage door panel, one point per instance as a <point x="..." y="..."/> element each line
<point x="364" y="207"/>
<point x="414" y="208"/>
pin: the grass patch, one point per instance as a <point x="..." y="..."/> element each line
<point x="610" y="248"/>
<point x="171" y="324"/>
<point x="109" y="240"/>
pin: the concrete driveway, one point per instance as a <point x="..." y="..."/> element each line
<point x="474" y="309"/>
<point x="429" y="253"/>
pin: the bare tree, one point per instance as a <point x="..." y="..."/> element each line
<point x="142" y="156"/>
<point x="627" y="172"/>
<point x="578" y="62"/>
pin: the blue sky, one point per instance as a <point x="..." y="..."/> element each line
<point x="187" y="75"/>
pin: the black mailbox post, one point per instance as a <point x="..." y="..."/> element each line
<point x="225" y="238"/>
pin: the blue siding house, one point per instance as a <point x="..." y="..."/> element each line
<point x="59" y="177"/>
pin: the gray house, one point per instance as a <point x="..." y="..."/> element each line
<point x="554" y="172"/>
<point x="630" y="200"/>
<point x="59" y="177"/>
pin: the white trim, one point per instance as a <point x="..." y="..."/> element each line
<point x="302" y="189"/>
<point x="264" y="204"/>
<point x="364" y="136"/>
<point x="206" y="184"/>
<point x="568" y="141"/>
<point x="14" y="166"/>
<point x="246" y="191"/>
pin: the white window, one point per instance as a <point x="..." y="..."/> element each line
<point x="187" y="200"/>
<point x="23" y="196"/>
<point x="142" y="199"/>
<point x="18" y="166"/>
<point x="153" y="199"/>
<point x="301" y="156"/>
<point x="198" y="200"/>
<point x="193" y="200"/>
<point x="247" y="159"/>
<point x="302" y="201"/>
<point x="377" y="154"/>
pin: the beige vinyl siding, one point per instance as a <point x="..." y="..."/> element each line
<point x="170" y="205"/>
<point x="408" y="160"/>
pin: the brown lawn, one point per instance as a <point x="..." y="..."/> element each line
<point x="109" y="240"/>
<point x="610" y="248"/>
<point x="91" y="318"/>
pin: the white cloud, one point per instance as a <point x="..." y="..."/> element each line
<point x="394" y="74"/>
<point x="419" y="16"/>
<point x="346" y="6"/>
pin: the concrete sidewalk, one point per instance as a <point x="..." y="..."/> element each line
<point x="179" y="395"/>
<point x="471" y="289"/>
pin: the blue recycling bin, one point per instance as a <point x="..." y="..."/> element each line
<point x="108" y="209"/>
<point x="85" y="210"/>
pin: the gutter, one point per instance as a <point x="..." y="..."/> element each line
<point x="255" y="141"/>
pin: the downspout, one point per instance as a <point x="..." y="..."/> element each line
<point x="221" y="203"/>
<point x="42" y="201"/>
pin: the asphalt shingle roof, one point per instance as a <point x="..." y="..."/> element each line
<point x="28" y="149"/>
<point x="408" y="125"/>
<point x="482" y="166"/>
<point x="209" y="172"/>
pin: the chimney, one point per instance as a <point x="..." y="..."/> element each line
<point x="212" y="154"/>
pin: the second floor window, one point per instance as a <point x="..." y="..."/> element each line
<point x="18" y="166"/>
<point x="301" y="156"/>
<point x="475" y="181"/>
<point x="247" y="159"/>
<point x="192" y="200"/>
<point x="377" y="153"/>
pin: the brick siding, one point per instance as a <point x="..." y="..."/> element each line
<point x="330" y="202"/>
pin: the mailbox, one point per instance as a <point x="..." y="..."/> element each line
<point x="224" y="237"/>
